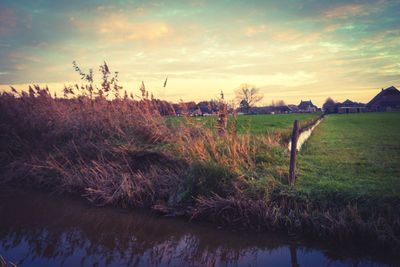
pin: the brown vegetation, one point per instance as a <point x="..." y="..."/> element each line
<point x="116" y="151"/>
<point x="122" y="152"/>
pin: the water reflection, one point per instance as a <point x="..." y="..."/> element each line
<point x="38" y="230"/>
<point x="303" y="137"/>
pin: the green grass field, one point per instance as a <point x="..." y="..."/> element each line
<point x="348" y="156"/>
<point x="352" y="156"/>
<point x="257" y="124"/>
<point x="260" y="124"/>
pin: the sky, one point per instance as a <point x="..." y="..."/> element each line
<point x="292" y="50"/>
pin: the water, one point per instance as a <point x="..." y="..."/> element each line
<point x="304" y="136"/>
<point x="41" y="230"/>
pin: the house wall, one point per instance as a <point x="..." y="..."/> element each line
<point x="308" y="110"/>
<point x="384" y="108"/>
<point x="350" y="110"/>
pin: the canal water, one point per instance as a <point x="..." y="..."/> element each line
<point x="41" y="230"/>
<point x="303" y="137"/>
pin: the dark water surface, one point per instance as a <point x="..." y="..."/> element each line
<point x="41" y="230"/>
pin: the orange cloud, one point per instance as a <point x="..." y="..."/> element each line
<point x="119" y="28"/>
<point x="332" y="27"/>
<point x="348" y="10"/>
<point x="280" y="34"/>
<point x="20" y="66"/>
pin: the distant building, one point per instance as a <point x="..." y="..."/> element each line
<point x="307" y="106"/>
<point x="208" y="107"/>
<point x="387" y="100"/>
<point x="349" y="106"/>
<point x="258" y="110"/>
<point x="270" y="110"/>
<point x="185" y="108"/>
<point x="281" y="109"/>
<point x="196" y="112"/>
<point x="293" y="108"/>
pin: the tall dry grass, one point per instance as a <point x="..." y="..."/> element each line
<point x="117" y="150"/>
<point x="120" y="151"/>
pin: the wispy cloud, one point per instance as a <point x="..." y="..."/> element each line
<point x="302" y="48"/>
<point x="254" y="30"/>
<point x="345" y="11"/>
<point x="8" y="20"/>
<point x="117" y="28"/>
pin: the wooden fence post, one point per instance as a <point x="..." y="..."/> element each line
<point x="222" y="115"/>
<point x="293" y="255"/>
<point x="293" y="153"/>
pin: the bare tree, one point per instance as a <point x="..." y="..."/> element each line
<point x="248" y="95"/>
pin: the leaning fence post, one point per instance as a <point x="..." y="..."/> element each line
<point x="293" y="153"/>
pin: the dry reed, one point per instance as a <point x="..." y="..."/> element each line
<point x="121" y="151"/>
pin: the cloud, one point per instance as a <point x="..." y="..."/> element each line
<point x="23" y="56"/>
<point x="20" y="66"/>
<point x="345" y="11"/>
<point x="251" y="31"/>
<point x="120" y="29"/>
<point x="308" y="48"/>
<point x="350" y="10"/>
<point x="332" y="27"/>
<point x="291" y="79"/>
<point x="8" y="20"/>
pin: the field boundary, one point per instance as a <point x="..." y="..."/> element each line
<point x="297" y="140"/>
<point x="305" y="132"/>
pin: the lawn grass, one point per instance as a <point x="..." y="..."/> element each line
<point x="261" y="124"/>
<point x="352" y="156"/>
<point x="256" y="124"/>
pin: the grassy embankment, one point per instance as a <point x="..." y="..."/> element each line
<point x="354" y="156"/>
<point x="123" y="152"/>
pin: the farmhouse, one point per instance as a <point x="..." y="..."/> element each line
<point x="349" y="106"/>
<point x="307" y="106"/>
<point x="270" y="110"/>
<point x="293" y="108"/>
<point x="387" y="100"/>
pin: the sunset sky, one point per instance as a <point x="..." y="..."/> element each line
<point x="292" y="50"/>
